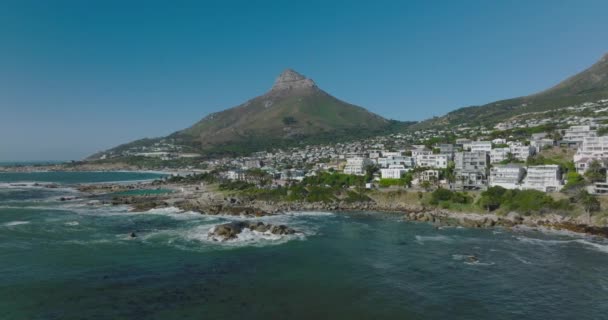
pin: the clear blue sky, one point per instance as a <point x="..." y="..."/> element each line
<point x="80" y="76"/>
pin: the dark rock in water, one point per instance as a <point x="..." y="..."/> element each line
<point x="231" y="230"/>
<point x="133" y="235"/>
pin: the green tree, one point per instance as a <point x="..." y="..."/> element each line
<point x="448" y="172"/>
<point x="491" y="198"/>
<point x="589" y="202"/>
<point x="407" y="179"/>
<point x="369" y="172"/>
<point x="426" y="185"/>
<point x="602" y="131"/>
<point x="574" y="181"/>
<point x="441" y="194"/>
<point x="289" y="121"/>
<point x="595" y="172"/>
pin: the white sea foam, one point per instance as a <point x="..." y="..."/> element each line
<point x="602" y="247"/>
<point x="544" y="242"/>
<point x="15" y="223"/>
<point x="249" y="237"/>
<point x="72" y="223"/>
<point x="198" y="237"/>
<point x="470" y="260"/>
<point x="438" y="238"/>
<point x="597" y="246"/>
<point x="520" y="259"/>
<point x="309" y="214"/>
<point x="477" y="263"/>
<point x="459" y="257"/>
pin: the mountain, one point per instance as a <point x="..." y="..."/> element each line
<point x="293" y="107"/>
<point x="294" y="110"/>
<point x="589" y="85"/>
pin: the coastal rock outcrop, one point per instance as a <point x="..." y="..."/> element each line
<point x="231" y="208"/>
<point x="231" y="230"/>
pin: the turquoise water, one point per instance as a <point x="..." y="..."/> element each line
<point x="30" y="163"/>
<point x="70" y="260"/>
<point x="76" y="177"/>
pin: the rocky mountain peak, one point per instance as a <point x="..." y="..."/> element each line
<point x="290" y="79"/>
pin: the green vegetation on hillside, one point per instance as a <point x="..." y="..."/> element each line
<point x="523" y="201"/>
<point x="587" y="86"/>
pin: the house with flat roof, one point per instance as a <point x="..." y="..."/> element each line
<point x="471" y="170"/>
<point x="507" y="176"/>
<point x="546" y="178"/>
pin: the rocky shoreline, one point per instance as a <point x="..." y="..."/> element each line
<point x="207" y="201"/>
<point x="438" y="217"/>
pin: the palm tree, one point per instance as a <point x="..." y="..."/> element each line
<point x="589" y="203"/>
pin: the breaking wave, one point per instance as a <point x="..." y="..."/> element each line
<point x="602" y="247"/>
<point x="15" y="223"/>
<point x="438" y="238"/>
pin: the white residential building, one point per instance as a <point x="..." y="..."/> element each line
<point x="579" y="133"/>
<point x="235" y="175"/>
<point x="374" y="154"/>
<point x="507" y="176"/>
<point x="499" y="141"/>
<point x="538" y="136"/>
<point x="481" y="146"/>
<point x="393" y="172"/>
<point x="294" y="174"/>
<point x="600" y="187"/>
<point x="388" y="154"/>
<point x="592" y="149"/>
<point x="471" y="170"/>
<point x="540" y="144"/>
<point x="464" y="143"/>
<point x="386" y="162"/>
<point x="498" y="155"/>
<point x="439" y="161"/>
<point x="522" y="153"/>
<point x="421" y="152"/>
<point x="357" y="165"/>
<point x="429" y="175"/>
<point x="447" y="149"/>
<point x="546" y="178"/>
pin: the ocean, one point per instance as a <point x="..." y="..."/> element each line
<point x="73" y="260"/>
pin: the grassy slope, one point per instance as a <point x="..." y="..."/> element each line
<point x="314" y="111"/>
<point x="587" y="86"/>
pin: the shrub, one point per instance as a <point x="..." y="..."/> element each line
<point x="384" y="183"/>
<point x="440" y="194"/>
<point x="289" y="121"/>
<point x="491" y="198"/>
<point x="444" y="195"/>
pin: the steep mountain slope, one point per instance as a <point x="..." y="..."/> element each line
<point x="294" y="107"/>
<point x="295" y="110"/>
<point x="587" y="86"/>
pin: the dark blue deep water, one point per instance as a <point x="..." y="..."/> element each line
<point x="72" y="260"/>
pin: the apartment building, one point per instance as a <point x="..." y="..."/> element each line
<point x="357" y="165"/>
<point x="507" y="176"/>
<point x="546" y="178"/>
<point x="439" y="161"/>
<point x="471" y="170"/>
<point x="579" y="133"/>
<point x="498" y="155"/>
<point x="393" y="172"/>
